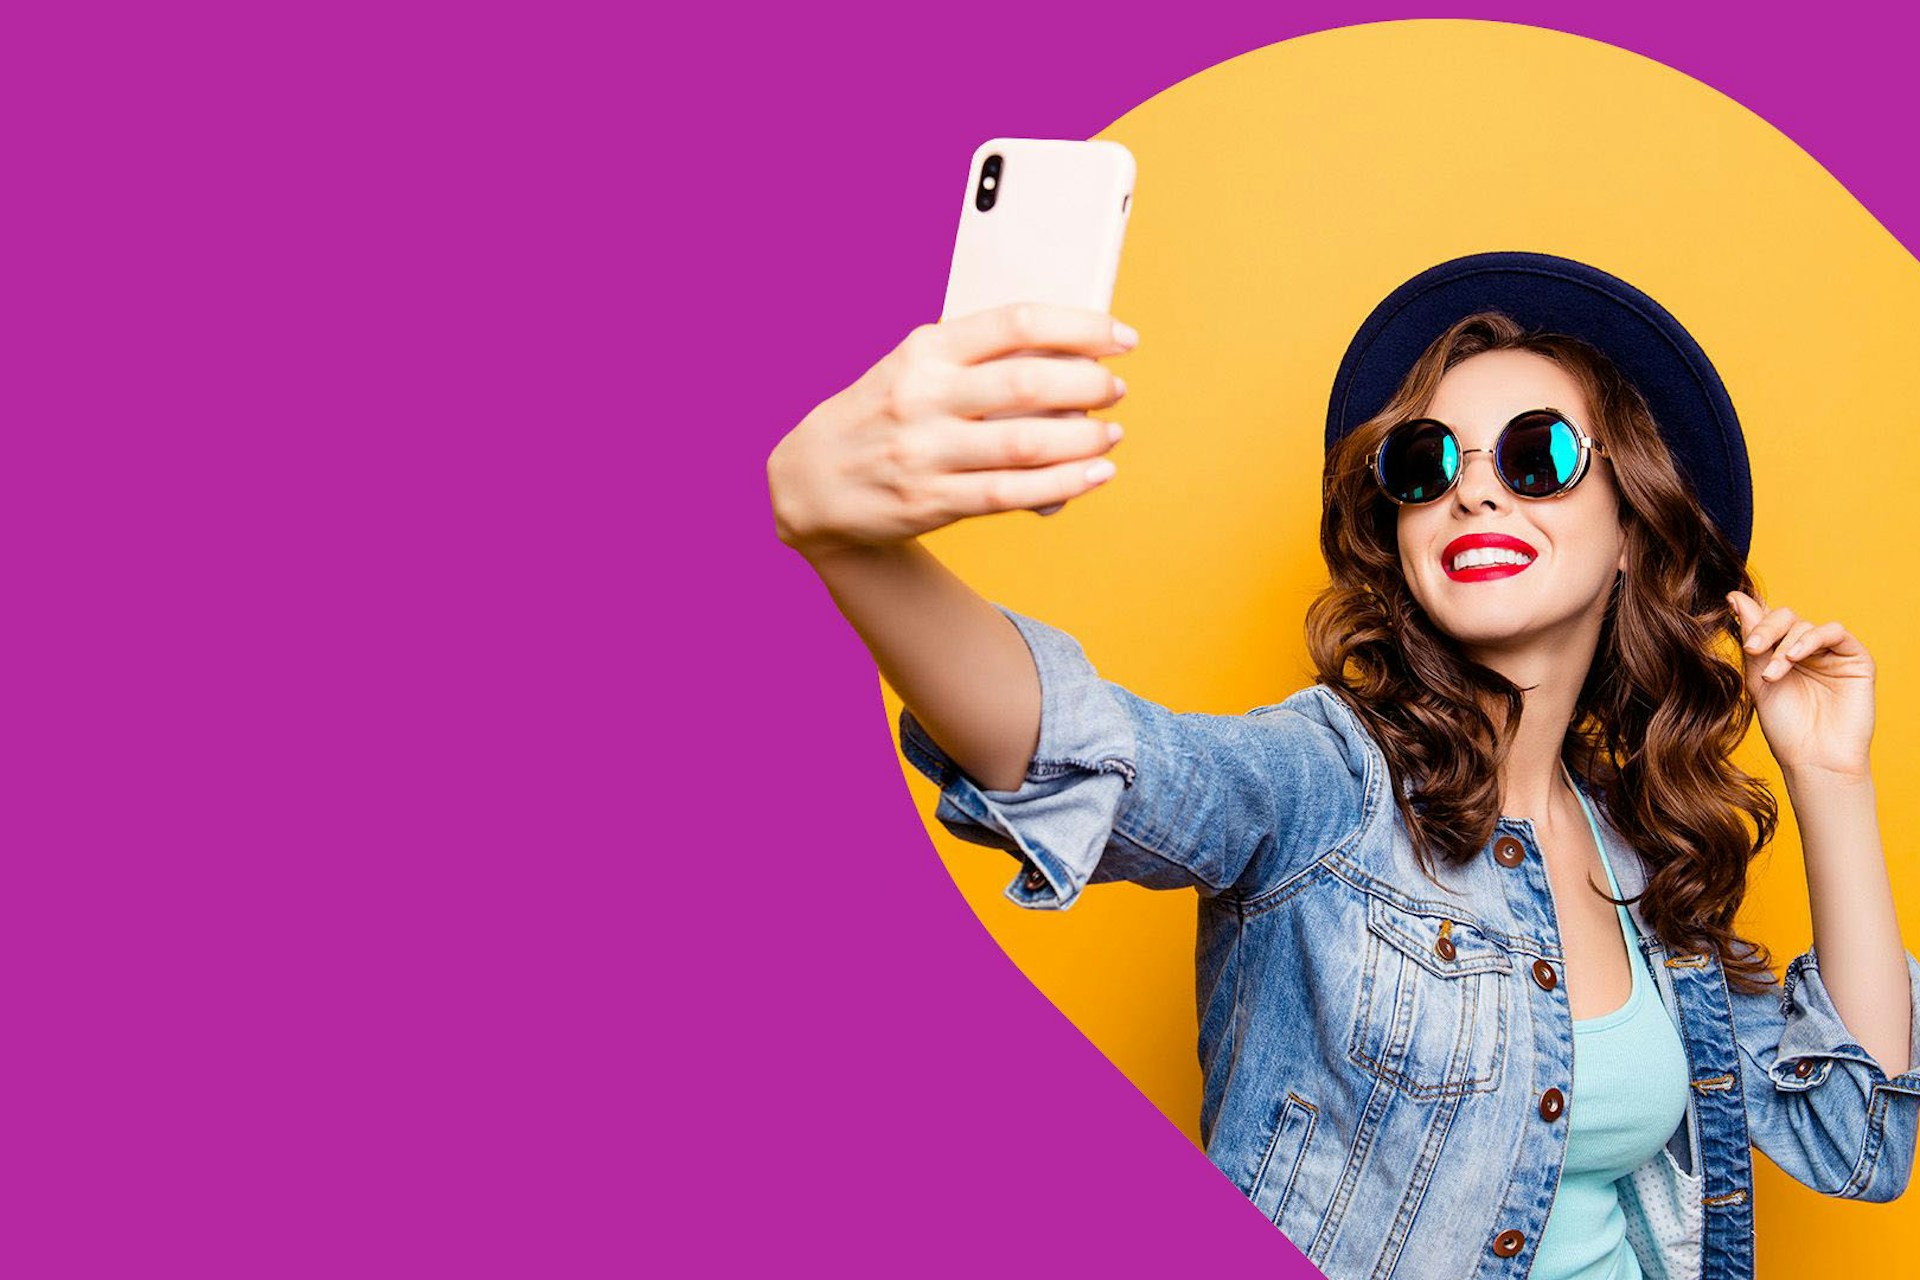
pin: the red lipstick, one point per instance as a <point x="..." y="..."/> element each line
<point x="1483" y="573"/>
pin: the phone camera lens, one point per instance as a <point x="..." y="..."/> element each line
<point x="984" y="195"/>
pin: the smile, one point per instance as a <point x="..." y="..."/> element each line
<point x="1481" y="557"/>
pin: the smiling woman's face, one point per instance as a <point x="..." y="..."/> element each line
<point x="1573" y="540"/>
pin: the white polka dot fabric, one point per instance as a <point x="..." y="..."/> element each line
<point x="1665" y="1220"/>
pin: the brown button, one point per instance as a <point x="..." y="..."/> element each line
<point x="1803" y="1068"/>
<point x="1552" y="1103"/>
<point x="1509" y="852"/>
<point x="1544" y="975"/>
<point x="1444" y="947"/>
<point x="1035" y="881"/>
<point x="1508" y="1243"/>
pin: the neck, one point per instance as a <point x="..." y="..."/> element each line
<point x="1533" y="784"/>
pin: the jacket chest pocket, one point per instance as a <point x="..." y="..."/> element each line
<point x="1431" y="1013"/>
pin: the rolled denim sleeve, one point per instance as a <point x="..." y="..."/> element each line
<point x="1818" y="1104"/>
<point x="1121" y="788"/>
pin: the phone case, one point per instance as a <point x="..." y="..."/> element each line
<point x="1054" y="233"/>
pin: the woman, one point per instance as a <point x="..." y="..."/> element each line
<point x="1499" y="843"/>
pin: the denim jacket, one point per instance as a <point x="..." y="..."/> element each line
<point x="1376" y="1049"/>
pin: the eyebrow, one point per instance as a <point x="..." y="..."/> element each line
<point x="1506" y="422"/>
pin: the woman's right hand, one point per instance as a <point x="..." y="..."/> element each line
<point x="909" y="447"/>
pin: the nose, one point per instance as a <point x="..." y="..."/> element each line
<point x="1479" y="486"/>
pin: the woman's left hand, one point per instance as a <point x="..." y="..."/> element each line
<point x="1812" y="687"/>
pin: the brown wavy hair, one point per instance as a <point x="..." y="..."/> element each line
<point x="1664" y="703"/>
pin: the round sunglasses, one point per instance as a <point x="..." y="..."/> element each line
<point x="1540" y="454"/>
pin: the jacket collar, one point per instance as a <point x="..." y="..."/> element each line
<point x="1629" y="872"/>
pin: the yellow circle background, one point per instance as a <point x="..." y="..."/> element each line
<point x="1280" y="196"/>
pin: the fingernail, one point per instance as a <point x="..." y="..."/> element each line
<point x="1119" y="387"/>
<point x="1101" y="470"/>
<point x="1114" y="432"/>
<point x="1124" y="335"/>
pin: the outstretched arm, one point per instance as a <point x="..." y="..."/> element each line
<point x="955" y="660"/>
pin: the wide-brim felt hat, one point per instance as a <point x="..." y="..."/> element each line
<point x="1543" y="292"/>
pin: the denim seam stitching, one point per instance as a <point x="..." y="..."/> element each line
<point x="1281" y="895"/>
<point x="1869" y="1159"/>
<point x="1427" y="1163"/>
<point x="1045" y="770"/>
<point x="1312" y="1114"/>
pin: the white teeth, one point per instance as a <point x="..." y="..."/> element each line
<point x="1481" y="556"/>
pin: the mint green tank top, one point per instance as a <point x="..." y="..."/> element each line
<point x="1628" y="1095"/>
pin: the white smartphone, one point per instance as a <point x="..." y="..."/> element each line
<point x="1043" y="220"/>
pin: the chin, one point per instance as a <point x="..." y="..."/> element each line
<point x="1510" y="631"/>
<point x="1484" y="637"/>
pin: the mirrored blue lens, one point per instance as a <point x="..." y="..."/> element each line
<point x="1539" y="454"/>
<point x="1418" y="461"/>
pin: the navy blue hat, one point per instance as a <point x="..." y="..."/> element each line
<point x="1544" y="292"/>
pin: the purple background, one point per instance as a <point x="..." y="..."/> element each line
<point x="445" y="832"/>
